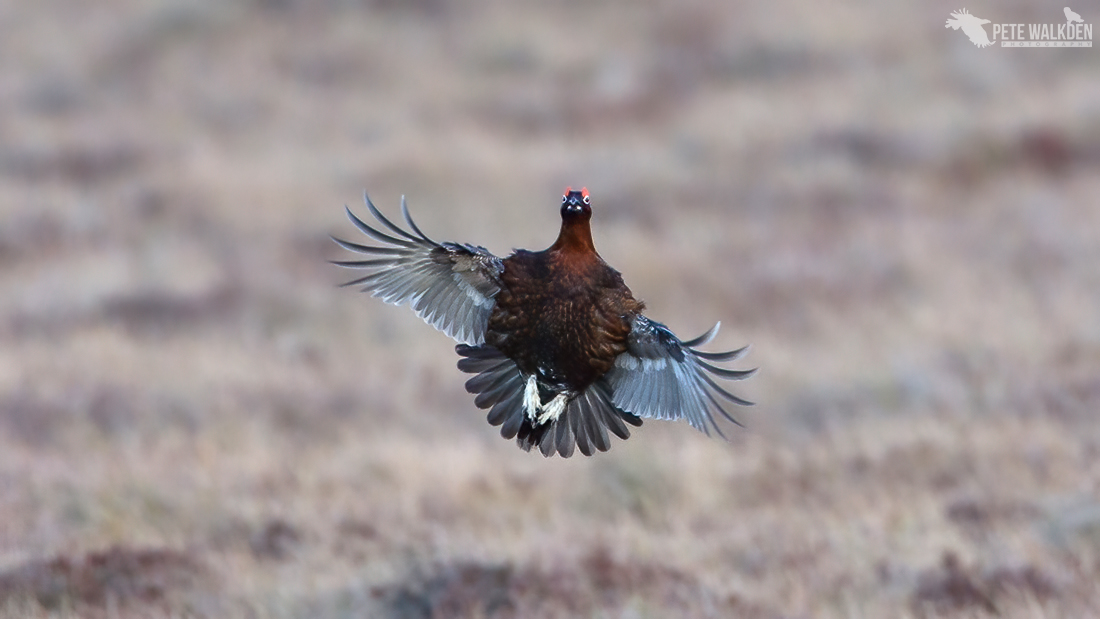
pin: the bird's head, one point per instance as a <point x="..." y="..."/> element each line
<point x="575" y="204"/>
<point x="576" y="215"/>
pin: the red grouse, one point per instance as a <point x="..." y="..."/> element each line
<point x="561" y="352"/>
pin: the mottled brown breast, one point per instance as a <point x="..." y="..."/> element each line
<point x="562" y="316"/>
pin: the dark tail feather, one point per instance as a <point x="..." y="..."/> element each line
<point x="531" y="435"/>
<point x="583" y="426"/>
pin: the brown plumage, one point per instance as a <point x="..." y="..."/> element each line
<point x="561" y="351"/>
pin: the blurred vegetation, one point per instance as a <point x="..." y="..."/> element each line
<point x="195" y="421"/>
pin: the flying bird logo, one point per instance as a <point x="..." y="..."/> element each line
<point x="972" y="27"/>
<point x="1072" y="17"/>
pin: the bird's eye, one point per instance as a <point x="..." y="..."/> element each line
<point x="586" y="199"/>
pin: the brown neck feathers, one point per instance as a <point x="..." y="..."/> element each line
<point x="575" y="235"/>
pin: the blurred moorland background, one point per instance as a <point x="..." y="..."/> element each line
<point x="195" y="421"/>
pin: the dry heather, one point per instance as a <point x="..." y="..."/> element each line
<point x="194" y="420"/>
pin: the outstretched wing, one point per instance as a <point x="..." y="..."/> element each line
<point x="661" y="377"/>
<point x="451" y="286"/>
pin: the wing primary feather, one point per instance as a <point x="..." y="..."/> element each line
<point x="729" y="374"/>
<point x="386" y="222"/>
<point x="409" y="220"/>
<point x="704" y="338"/>
<point x="367" y="249"/>
<point x="362" y="264"/>
<point x="361" y="280"/>
<point x="729" y="396"/>
<point x="732" y="355"/>
<point x="376" y="234"/>
<point x="725" y="413"/>
<point x="694" y="391"/>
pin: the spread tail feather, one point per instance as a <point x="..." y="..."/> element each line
<point x="583" y="424"/>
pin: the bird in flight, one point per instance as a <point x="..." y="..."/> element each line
<point x="560" y="350"/>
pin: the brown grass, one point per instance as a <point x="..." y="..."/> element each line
<point x="103" y="583"/>
<point x="194" y="420"/>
